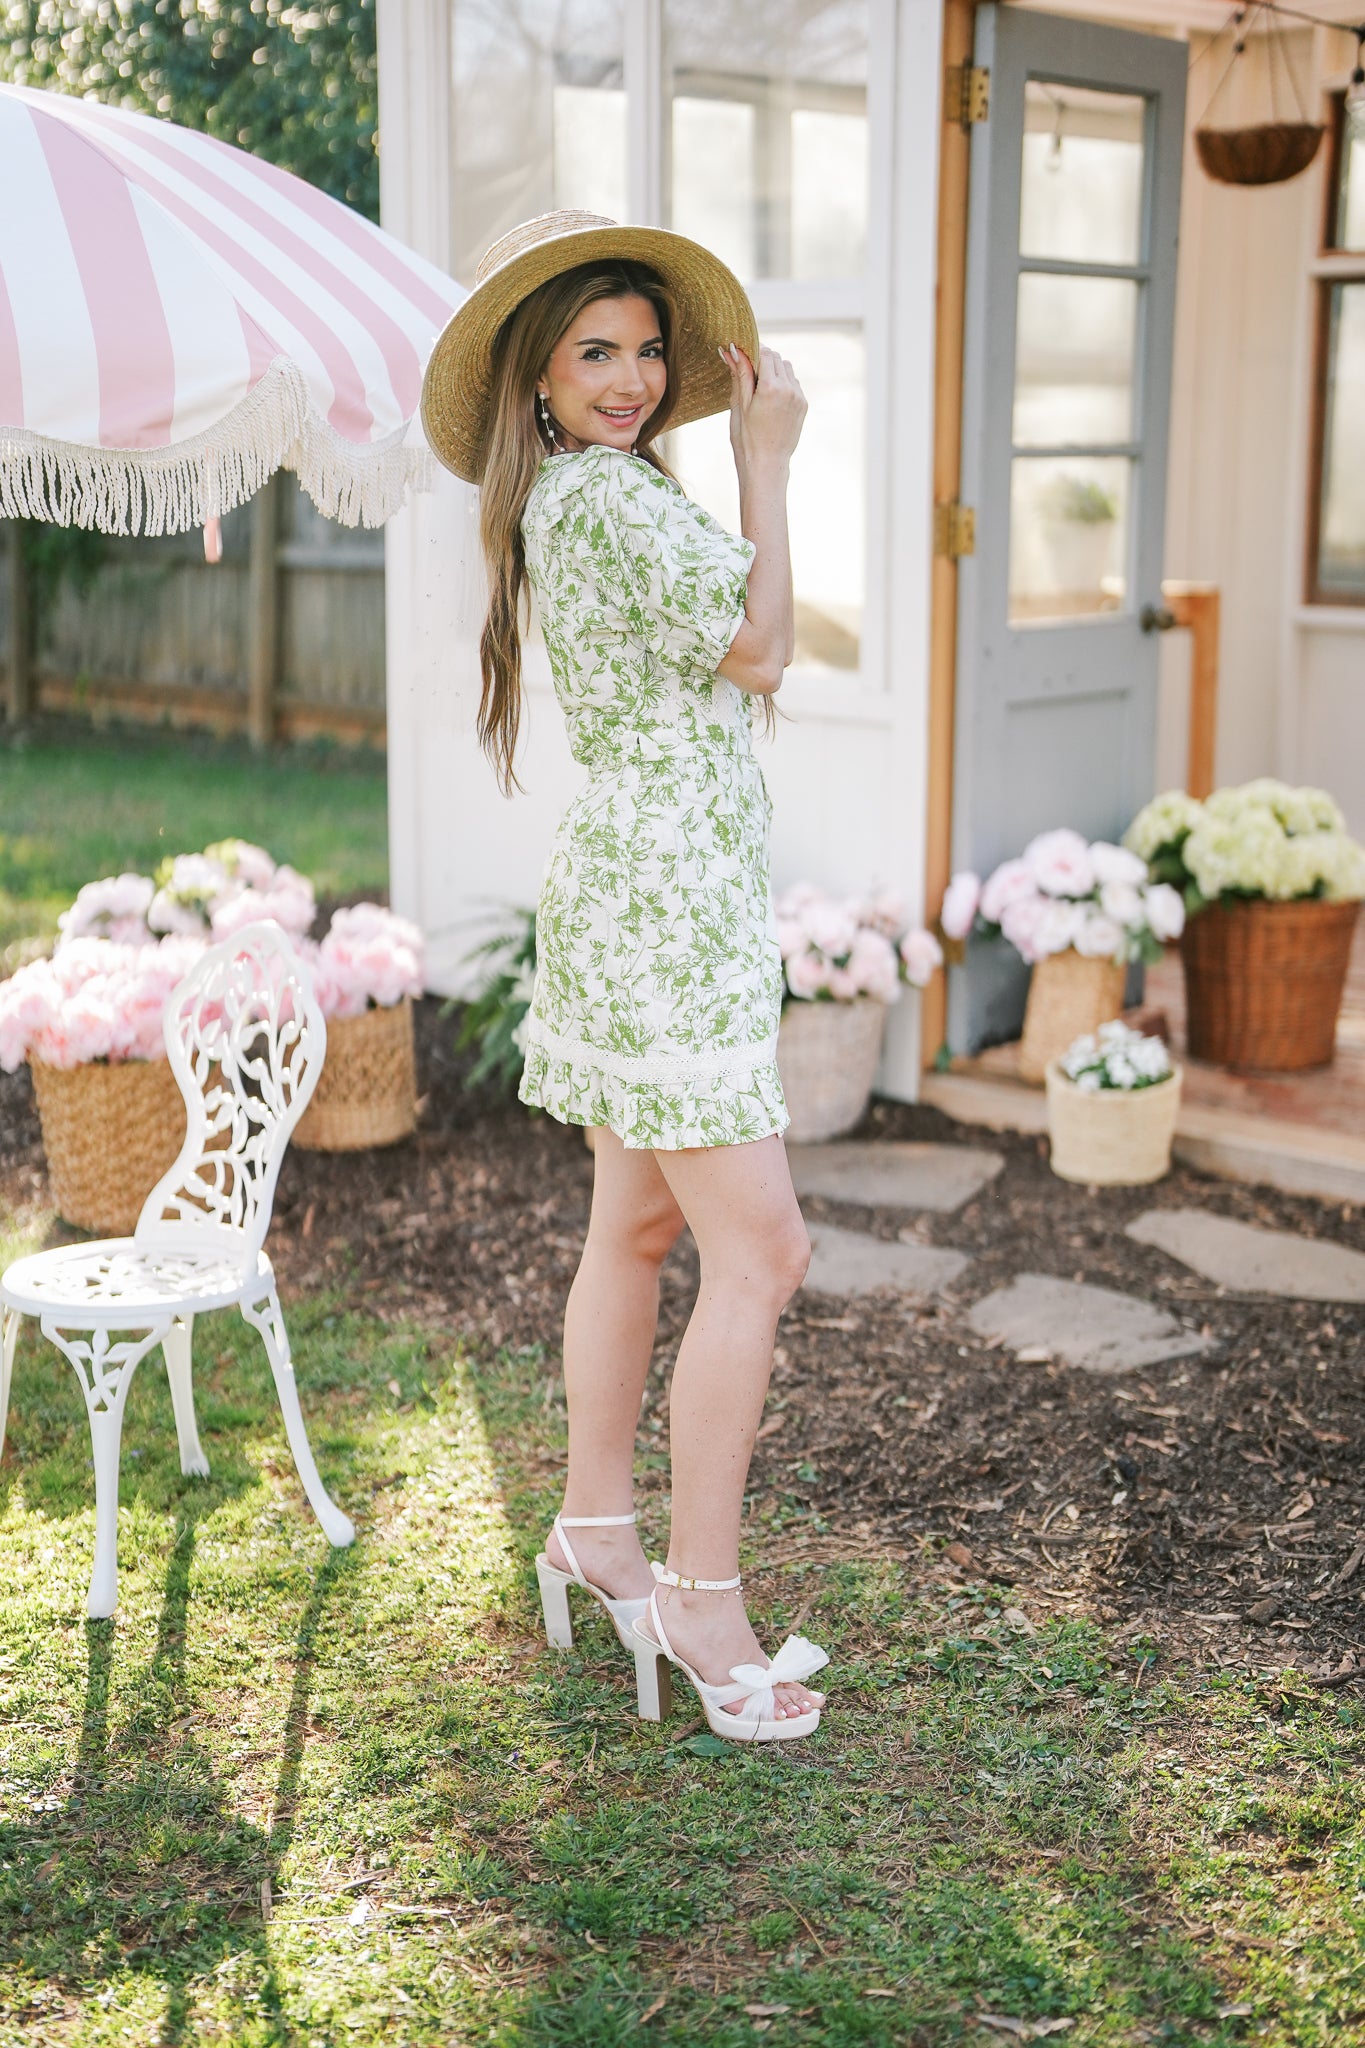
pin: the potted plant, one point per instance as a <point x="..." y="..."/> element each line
<point x="1112" y="1102"/>
<point x="1076" y="517"/>
<point x="366" y="970"/>
<point x="1272" y="884"/>
<point x="88" y="1021"/>
<point x="843" y="961"/>
<point x="1078" y="912"/>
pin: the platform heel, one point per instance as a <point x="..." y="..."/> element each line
<point x="555" y="1584"/>
<point x="653" y="1680"/>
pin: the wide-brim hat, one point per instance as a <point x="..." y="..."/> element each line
<point x="709" y="303"/>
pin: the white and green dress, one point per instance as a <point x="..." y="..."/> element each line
<point x="658" y="978"/>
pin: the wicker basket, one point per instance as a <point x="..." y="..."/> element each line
<point x="1264" y="982"/>
<point x="367" y="1090"/>
<point x="1111" y="1137"/>
<point x="1266" y="154"/>
<point x="109" y="1133"/>
<point x="1067" y="995"/>
<point x="827" y="1056"/>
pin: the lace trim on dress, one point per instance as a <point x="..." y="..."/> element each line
<point x="663" y="1068"/>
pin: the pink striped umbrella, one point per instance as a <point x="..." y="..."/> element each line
<point x="179" y="319"/>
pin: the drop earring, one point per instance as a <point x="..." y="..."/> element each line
<point x="547" y="423"/>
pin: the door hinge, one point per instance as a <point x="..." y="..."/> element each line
<point x="954" y="530"/>
<point x="967" y="94"/>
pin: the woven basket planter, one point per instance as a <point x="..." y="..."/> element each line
<point x="109" y="1133"/>
<point x="367" y="1090"/>
<point x="1111" y="1137"/>
<point x="1067" y="995"/>
<point x="827" y="1056"/>
<point x="1264" y="982"/>
<point x="1267" y="154"/>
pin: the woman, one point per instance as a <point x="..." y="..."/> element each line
<point x="658" y="980"/>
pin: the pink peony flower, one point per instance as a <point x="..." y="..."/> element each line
<point x="1019" y="921"/>
<point x="1124" y="904"/>
<point x="1060" y="863"/>
<point x="872" y="966"/>
<point x="807" y="975"/>
<point x="1058" y="926"/>
<point x="884" y="913"/>
<point x="1165" y="912"/>
<point x="1116" y="864"/>
<point x="1099" y="937"/>
<point x="794" y="900"/>
<point x="829" y="927"/>
<point x="1011" y="882"/>
<point x="961" y="900"/>
<point x="791" y="936"/>
<point x="923" y="956"/>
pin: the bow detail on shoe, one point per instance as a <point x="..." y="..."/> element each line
<point x="798" y="1659"/>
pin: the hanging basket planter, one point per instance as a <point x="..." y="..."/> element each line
<point x="1270" y="153"/>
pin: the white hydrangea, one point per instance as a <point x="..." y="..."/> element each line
<point x="1162" y="822"/>
<point x="1116" y="1056"/>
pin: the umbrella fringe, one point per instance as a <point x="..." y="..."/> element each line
<point x="170" y="490"/>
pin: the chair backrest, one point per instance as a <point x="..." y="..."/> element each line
<point x="246" y="1040"/>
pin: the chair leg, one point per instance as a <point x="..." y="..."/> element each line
<point x="104" y="1363"/>
<point x="9" y="1340"/>
<point x="177" y="1345"/>
<point x="265" y="1315"/>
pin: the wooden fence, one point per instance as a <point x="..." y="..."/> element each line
<point x="283" y="638"/>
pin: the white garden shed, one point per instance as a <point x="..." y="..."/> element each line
<point x="983" y="237"/>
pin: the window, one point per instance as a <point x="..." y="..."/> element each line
<point x="765" y="160"/>
<point x="744" y="127"/>
<point x="1336" y="538"/>
<point x="537" y="116"/>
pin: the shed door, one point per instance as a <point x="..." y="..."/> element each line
<point x="1075" y="193"/>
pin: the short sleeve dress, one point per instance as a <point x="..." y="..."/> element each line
<point x="658" y="978"/>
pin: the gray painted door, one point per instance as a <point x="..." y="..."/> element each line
<point x="1075" y="194"/>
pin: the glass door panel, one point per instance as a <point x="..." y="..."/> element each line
<point x="1080" y="196"/>
<point x="1073" y="359"/>
<point x="1068" y="535"/>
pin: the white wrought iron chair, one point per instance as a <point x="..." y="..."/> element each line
<point x="246" y="1040"/>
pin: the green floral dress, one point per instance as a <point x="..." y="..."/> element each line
<point x="658" y="981"/>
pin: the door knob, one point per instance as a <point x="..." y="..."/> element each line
<point x="1156" y="618"/>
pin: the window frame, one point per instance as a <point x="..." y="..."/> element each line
<point x="862" y="304"/>
<point x="1330" y="268"/>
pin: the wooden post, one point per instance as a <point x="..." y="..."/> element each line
<point x="1197" y="606"/>
<point x="263" y="620"/>
<point x="19" y="652"/>
<point x="955" y="148"/>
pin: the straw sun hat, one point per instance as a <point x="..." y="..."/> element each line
<point x="708" y="298"/>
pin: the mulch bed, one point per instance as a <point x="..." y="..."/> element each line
<point x="1209" y="1509"/>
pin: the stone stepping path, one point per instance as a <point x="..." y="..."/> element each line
<point x="850" y="1262"/>
<point x="897" y="1175"/>
<point x="1254" y="1261"/>
<point x="1092" y="1328"/>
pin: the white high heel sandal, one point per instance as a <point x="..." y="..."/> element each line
<point x="796" y="1661"/>
<point x="555" y="1584"/>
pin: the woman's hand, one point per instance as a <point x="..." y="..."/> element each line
<point x="767" y="409"/>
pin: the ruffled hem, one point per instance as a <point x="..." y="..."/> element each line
<point x="650" y="1116"/>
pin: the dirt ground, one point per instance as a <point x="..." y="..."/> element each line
<point x="1210" y="1510"/>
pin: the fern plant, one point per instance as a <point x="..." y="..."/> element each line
<point x="492" y="1020"/>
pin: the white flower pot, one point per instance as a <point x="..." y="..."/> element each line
<point x="1111" y="1137"/>
<point x="827" y="1055"/>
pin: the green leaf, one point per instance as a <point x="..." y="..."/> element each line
<point x="707" y="1745"/>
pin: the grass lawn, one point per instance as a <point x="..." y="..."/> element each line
<point x="294" y="1796"/>
<point x="77" y="802"/>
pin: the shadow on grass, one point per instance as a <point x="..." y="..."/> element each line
<point x="146" y="1869"/>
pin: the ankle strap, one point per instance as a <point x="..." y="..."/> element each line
<point x="595" y="1521"/>
<point x="666" y="1577"/>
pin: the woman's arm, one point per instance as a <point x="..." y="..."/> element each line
<point x="766" y="413"/>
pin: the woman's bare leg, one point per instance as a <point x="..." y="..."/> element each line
<point x="739" y="1202"/>
<point x="609" y="1328"/>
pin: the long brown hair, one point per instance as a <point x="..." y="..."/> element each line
<point x="514" y="449"/>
